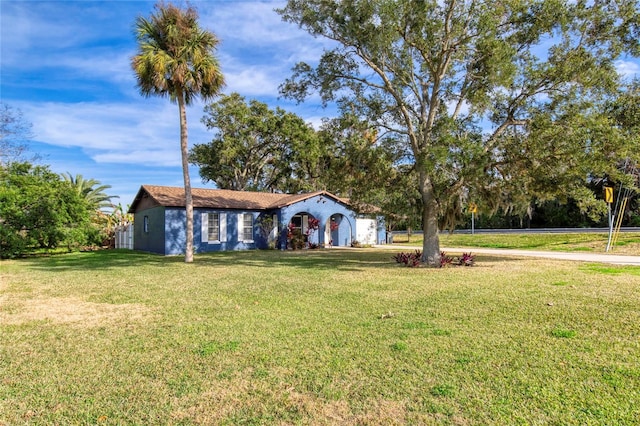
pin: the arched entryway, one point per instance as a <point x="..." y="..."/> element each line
<point x="302" y="231"/>
<point x="337" y="231"/>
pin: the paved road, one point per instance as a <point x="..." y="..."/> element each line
<point x="530" y="231"/>
<point x="615" y="259"/>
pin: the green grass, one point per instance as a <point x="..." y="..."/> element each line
<point x="627" y="243"/>
<point x="316" y="337"/>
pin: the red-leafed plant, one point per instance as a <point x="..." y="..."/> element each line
<point x="467" y="259"/>
<point x="445" y="260"/>
<point x="297" y="240"/>
<point x="411" y="260"/>
<point x="414" y="259"/>
<point x="313" y="225"/>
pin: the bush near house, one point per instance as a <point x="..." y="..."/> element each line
<point x="38" y="210"/>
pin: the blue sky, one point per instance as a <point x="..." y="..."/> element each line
<point x="65" y="65"/>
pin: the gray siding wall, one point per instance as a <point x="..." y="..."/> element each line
<point x="152" y="238"/>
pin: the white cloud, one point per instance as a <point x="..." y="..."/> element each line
<point x="99" y="64"/>
<point x="23" y="30"/>
<point x="161" y="158"/>
<point x="258" y="49"/>
<point x="145" y="132"/>
<point x="36" y="29"/>
<point x="252" y="23"/>
<point x="252" y="80"/>
<point x="71" y="43"/>
<point x="627" y="69"/>
<point x="315" y="121"/>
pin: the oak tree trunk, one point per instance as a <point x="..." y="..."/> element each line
<point x="431" y="241"/>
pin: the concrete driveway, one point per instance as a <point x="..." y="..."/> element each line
<point x="615" y="259"/>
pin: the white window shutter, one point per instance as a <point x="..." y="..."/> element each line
<point x="274" y="230"/>
<point x="204" y="218"/>
<point x="223" y="227"/>
<point x="240" y="227"/>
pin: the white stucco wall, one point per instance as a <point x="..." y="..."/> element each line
<point x="366" y="230"/>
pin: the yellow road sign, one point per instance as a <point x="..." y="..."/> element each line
<point x="473" y="208"/>
<point x="608" y="194"/>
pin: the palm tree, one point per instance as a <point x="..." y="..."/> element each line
<point x="95" y="196"/>
<point x="175" y="59"/>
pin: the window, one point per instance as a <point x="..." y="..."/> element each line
<point x="214" y="228"/>
<point x="245" y="227"/>
<point x="145" y="225"/>
<point x="301" y="222"/>
<point x="213" y="231"/>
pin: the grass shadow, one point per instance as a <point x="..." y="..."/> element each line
<point x="339" y="259"/>
<point x="95" y="260"/>
<point x="329" y="259"/>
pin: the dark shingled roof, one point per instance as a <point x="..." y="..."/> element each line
<point x="169" y="196"/>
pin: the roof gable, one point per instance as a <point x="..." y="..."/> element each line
<point x="295" y="198"/>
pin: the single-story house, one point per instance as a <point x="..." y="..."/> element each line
<point x="241" y="220"/>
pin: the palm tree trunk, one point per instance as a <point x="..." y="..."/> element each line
<point x="188" y="256"/>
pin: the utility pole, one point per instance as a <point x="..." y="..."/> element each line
<point x="608" y="198"/>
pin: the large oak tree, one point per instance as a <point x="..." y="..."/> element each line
<point x="260" y="149"/>
<point x="256" y="148"/>
<point x="478" y="92"/>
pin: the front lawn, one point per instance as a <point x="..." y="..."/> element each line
<point x="316" y="337"/>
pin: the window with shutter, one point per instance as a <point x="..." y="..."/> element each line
<point x="213" y="230"/>
<point x="245" y="227"/>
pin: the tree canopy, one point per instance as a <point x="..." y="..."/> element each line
<point x="91" y="190"/>
<point x="15" y="131"/>
<point x="257" y="148"/>
<point x="40" y="210"/>
<point x="260" y="149"/>
<point x="491" y="100"/>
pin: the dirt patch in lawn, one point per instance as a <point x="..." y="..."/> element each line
<point x="68" y="310"/>
<point x="257" y="400"/>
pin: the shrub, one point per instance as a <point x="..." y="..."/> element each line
<point x="409" y="259"/>
<point x="415" y="259"/>
<point x="296" y="239"/>
<point x="39" y="211"/>
<point x="467" y="259"/>
<point x="445" y="260"/>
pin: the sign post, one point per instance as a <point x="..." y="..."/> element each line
<point x="473" y="208"/>
<point x="608" y="198"/>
